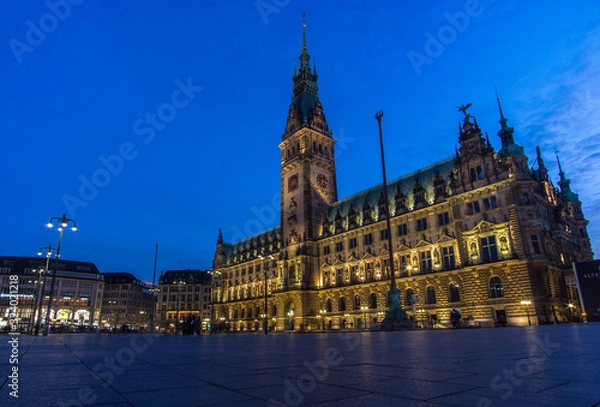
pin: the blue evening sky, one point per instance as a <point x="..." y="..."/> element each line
<point x="89" y="97"/>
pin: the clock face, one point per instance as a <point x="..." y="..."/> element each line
<point x="292" y="182"/>
<point x="322" y="181"/>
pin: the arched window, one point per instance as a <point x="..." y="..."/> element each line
<point x="430" y="295"/>
<point x="250" y="313"/>
<point x="235" y="314"/>
<point x="409" y="296"/>
<point x="453" y="294"/>
<point x="373" y="300"/>
<point x="342" y="304"/>
<point x="243" y="313"/>
<point x="357" y="302"/>
<point x="328" y="307"/>
<point x="496" y="288"/>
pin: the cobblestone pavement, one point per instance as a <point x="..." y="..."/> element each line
<point x="556" y="365"/>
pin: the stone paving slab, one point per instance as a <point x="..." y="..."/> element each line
<point x="556" y="365"/>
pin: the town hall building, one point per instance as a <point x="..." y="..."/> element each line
<point x="482" y="232"/>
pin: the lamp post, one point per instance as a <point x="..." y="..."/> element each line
<point x="63" y="222"/>
<point x="154" y="292"/>
<point x="37" y="313"/>
<point x="180" y="282"/>
<point x="364" y="309"/>
<point x="395" y="312"/>
<point x="322" y="312"/>
<point x="571" y="306"/>
<point x="265" y="263"/>
<point x="215" y="294"/>
<point x="527" y="303"/>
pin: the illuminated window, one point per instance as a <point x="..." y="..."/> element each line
<point x="496" y="288"/>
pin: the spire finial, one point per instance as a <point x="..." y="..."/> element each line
<point x="561" y="173"/>
<point x="502" y="118"/>
<point x="304" y="57"/>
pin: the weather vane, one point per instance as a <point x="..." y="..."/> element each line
<point x="463" y="109"/>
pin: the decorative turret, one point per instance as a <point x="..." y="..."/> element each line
<point x="219" y="259"/>
<point x="506" y="134"/>
<point x="470" y="138"/>
<point x="565" y="184"/>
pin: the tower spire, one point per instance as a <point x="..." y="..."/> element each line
<point x="565" y="183"/>
<point x="503" y="120"/>
<point x="305" y="110"/>
<point x="506" y="134"/>
<point x="304" y="56"/>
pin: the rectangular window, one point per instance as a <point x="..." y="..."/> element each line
<point x="535" y="244"/>
<point x="384" y="234"/>
<point x="422" y="224"/>
<point x="250" y="269"/>
<point x="402" y="229"/>
<point x="339" y="246"/>
<point x="326" y="250"/>
<point x="426" y="261"/>
<point x="443" y="219"/>
<point x="448" y="255"/>
<point x="489" y="251"/>
<point x="473" y="207"/>
<point x="473" y="174"/>
<point x="339" y="276"/>
<point x="403" y="263"/>
<point x="353" y="243"/>
<point x="419" y="198"/>
<point x="368" y="238"/>
<point x="479" y="172"/>
<point x="439" y="191"/>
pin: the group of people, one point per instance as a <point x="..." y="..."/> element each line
<point x="455" y="317"/>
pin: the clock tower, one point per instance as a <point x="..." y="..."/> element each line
<point x="308" y="182"/>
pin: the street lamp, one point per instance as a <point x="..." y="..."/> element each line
<point x="571" y="306"/>
<point x="265" y="263"/>
<point x="179" y="282"/>
<point x="291" y="318"/>
<point x="39" y="293"/>
<point x="63" y="222"/>
<point x="215" y="295"/>
<point x="322" y="316"/>
<point x="364" y="309"/>
<point x="527" y="303"/>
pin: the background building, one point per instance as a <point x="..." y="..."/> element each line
<point x="184" y="295"/>
<point x="77" y="295"/>
<point x="126" y="301"/>
<point x="481" y="231"/>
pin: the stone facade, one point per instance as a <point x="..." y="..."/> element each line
<point x="482" y="232"/>
<point x="183" y="295"/>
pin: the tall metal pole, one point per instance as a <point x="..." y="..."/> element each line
<point x="153" y="291"/>
<point x="266" y="313"/>
<point x="56" y="256"/>
<point x="379" y="116"/>
<point x="40" y="300"/>
<point x="395" y="312"/>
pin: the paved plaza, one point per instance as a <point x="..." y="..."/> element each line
<point x="555" y="365"/>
